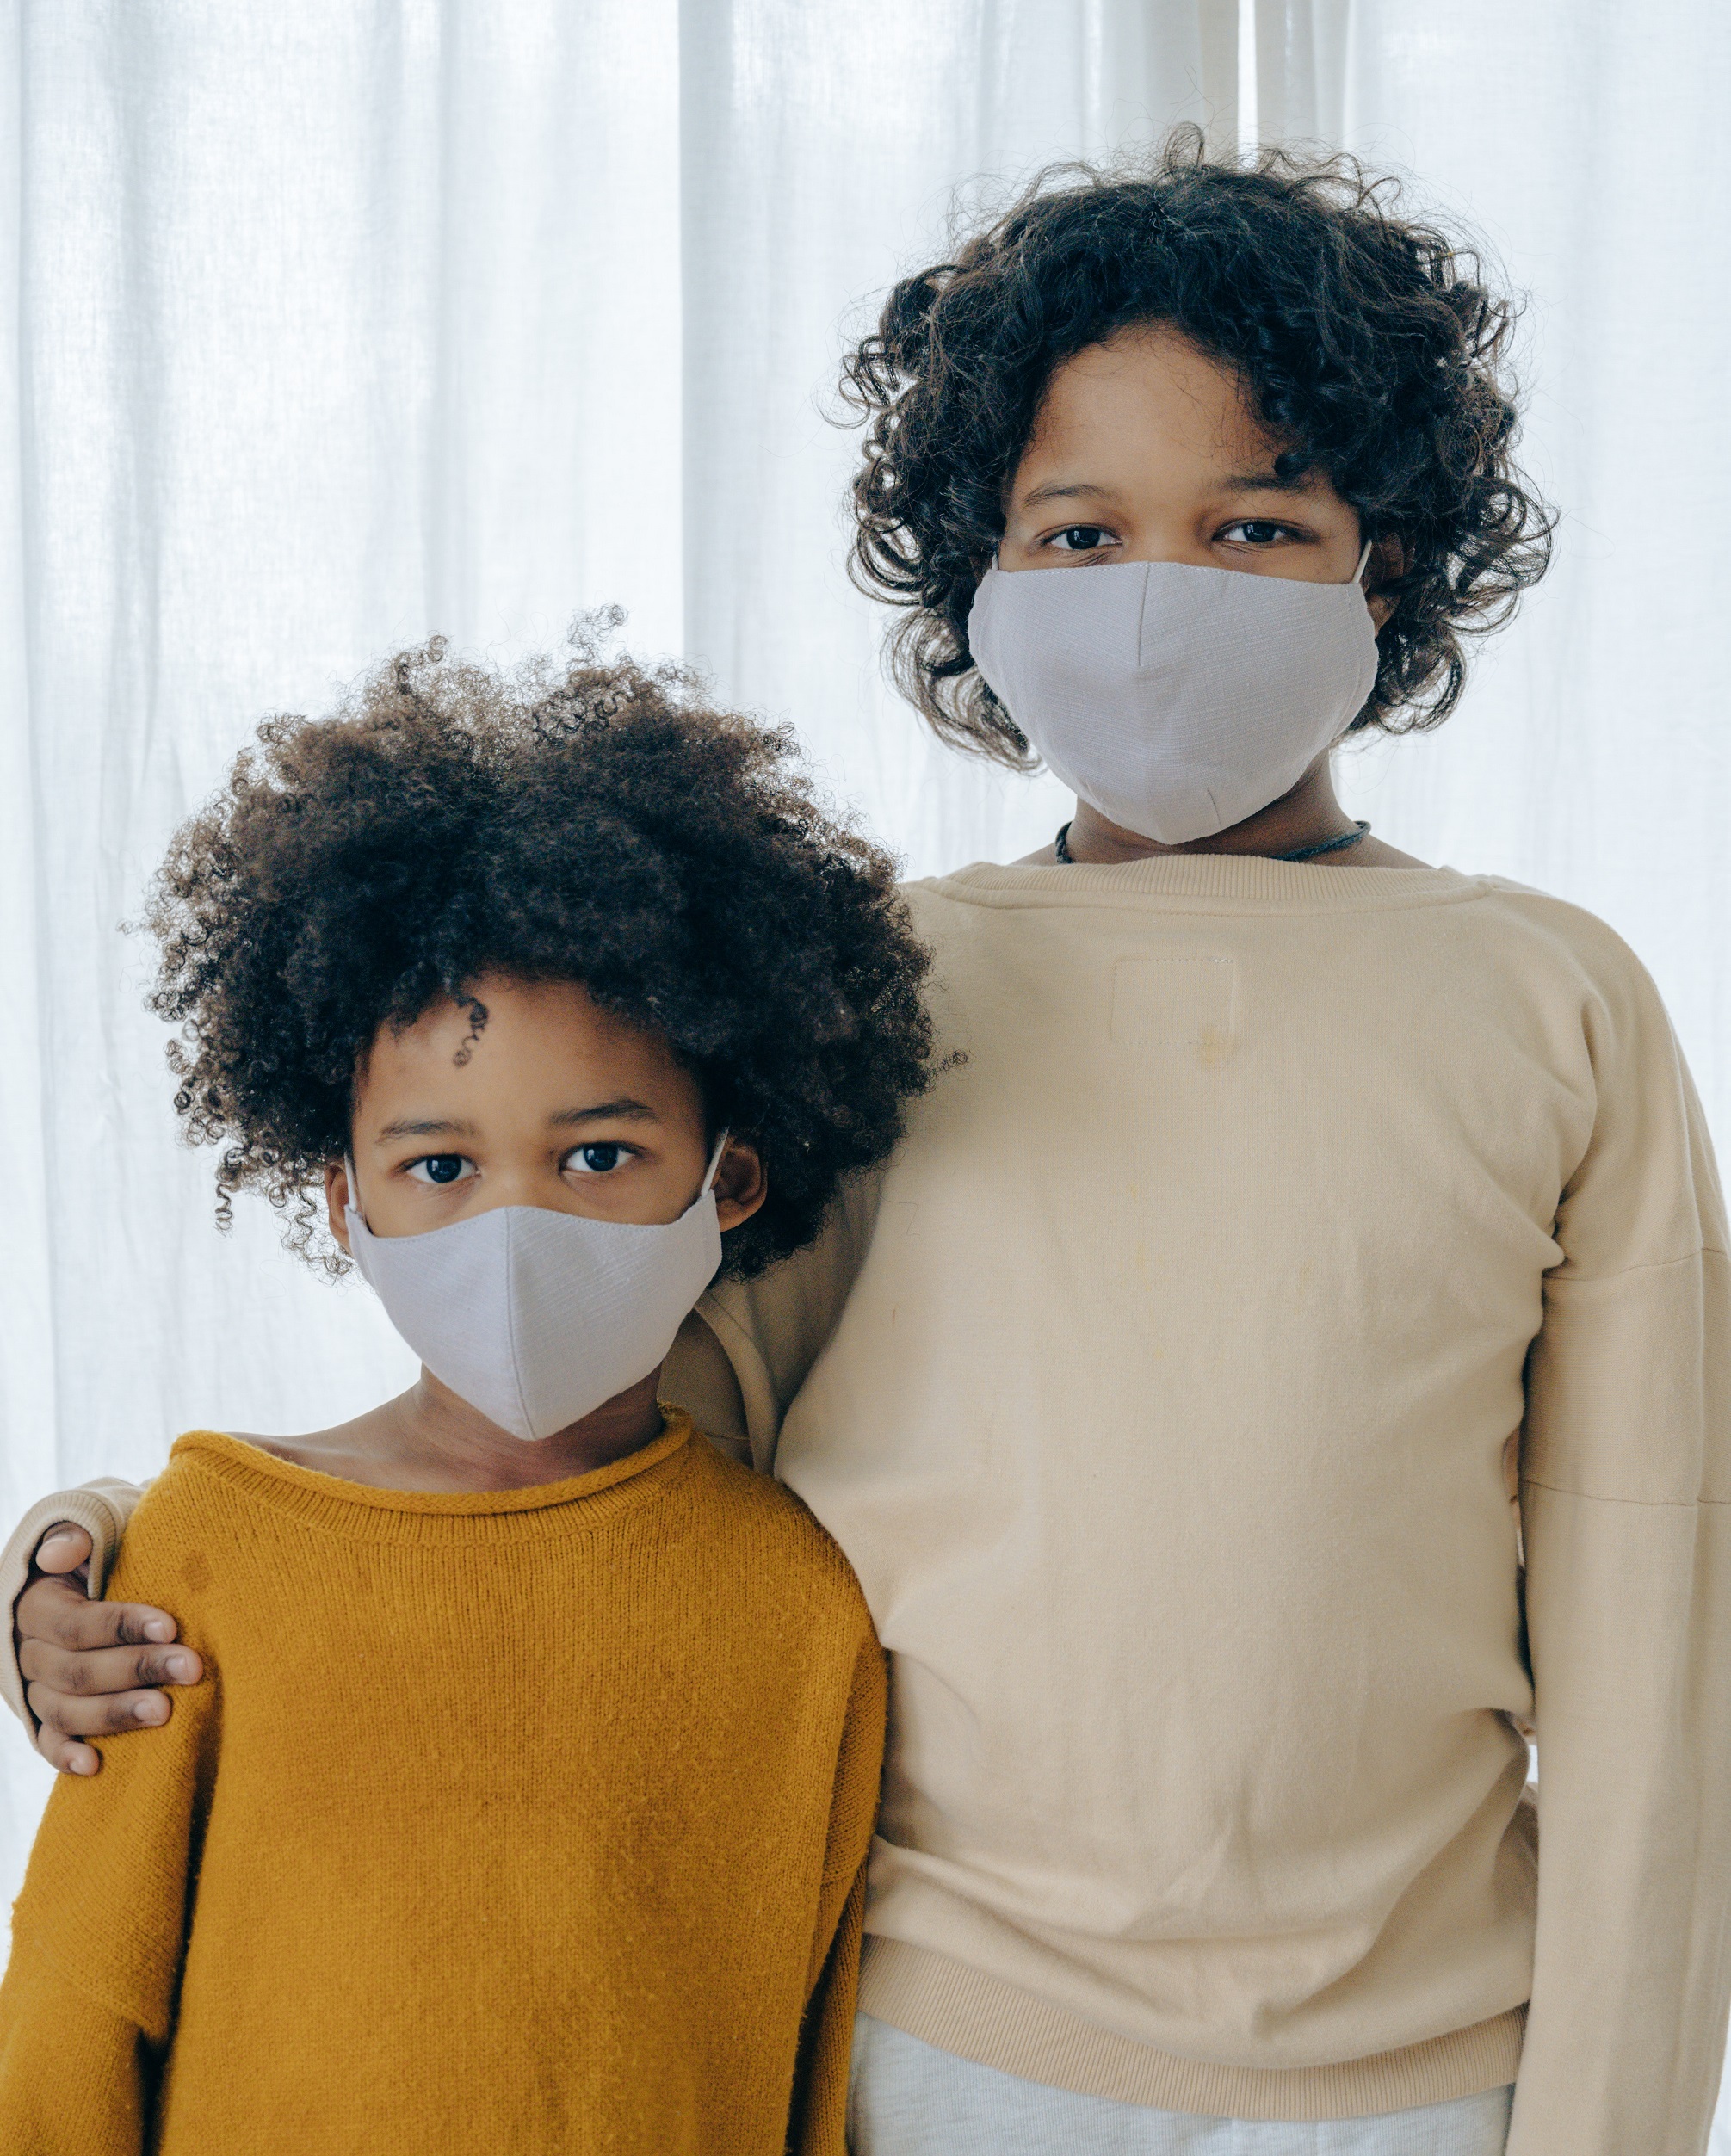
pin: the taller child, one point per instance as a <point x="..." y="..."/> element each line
<point x="1161" y="1391"/>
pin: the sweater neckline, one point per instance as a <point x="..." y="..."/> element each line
<point x="1232" y="881"/>
<point x="286" y="1484"/>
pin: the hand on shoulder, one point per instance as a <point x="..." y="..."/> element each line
<point x="89" y="1669"/>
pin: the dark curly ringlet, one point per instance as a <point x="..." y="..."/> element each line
<point x="591" y="821"/>
<point x="1369" y="345"/>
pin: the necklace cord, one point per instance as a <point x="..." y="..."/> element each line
<point x="1060" y="846"/>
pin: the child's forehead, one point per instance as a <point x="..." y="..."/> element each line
<point x="524" y="1034"/>
<point x="1147" y="392"/>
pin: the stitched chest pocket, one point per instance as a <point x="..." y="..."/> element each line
<point x="1180" y="1007"/>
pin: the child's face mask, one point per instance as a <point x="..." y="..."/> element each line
<point x="1176" y="700"/>
<point x="537" y="1318"/>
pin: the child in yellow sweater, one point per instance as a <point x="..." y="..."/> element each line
<point x="551" y="983"/>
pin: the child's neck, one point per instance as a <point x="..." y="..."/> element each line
<point x="428" y="1439"/>
<point x="1309" y="815"/>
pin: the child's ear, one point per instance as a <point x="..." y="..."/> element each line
<point x="740" y="1184"/>
<point x="337" y="1199"/>
<point x="1388" y="561"/>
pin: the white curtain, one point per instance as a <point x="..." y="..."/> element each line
<point x="326" y="328"/>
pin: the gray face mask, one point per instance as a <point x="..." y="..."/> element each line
<point x="536" y="1318"/>
<point x="1176" y="700"/>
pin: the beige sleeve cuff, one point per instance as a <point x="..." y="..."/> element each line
<point x="101" y="1508"/>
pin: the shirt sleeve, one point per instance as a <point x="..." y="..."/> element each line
<point x="1626" y="1500"/>
<point x="819" y="2121"/>
<point x="746" y="1352"/>
<point x="98" y="1932"/>
<point x="73" y="2074"/>
<point x="103" y="1509"/>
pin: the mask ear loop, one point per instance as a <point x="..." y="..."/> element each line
<point x="714" y="1163"/>
<point x="354" y="1204"/>
<point x="1358" y="572"/>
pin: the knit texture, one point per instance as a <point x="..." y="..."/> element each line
<point x="532" y="1821"/>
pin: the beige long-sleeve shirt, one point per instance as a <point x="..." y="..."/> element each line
<point x="1159" y="1394"/>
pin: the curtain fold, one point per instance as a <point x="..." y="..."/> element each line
<point x="1301" y="70"/>
<point x="1591" y="756"/>
<point x="325" y="330"/>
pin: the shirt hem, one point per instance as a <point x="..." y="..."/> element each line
<point x="977" y="2016"/>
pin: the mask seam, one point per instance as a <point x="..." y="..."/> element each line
<point x="511" y="1327"/>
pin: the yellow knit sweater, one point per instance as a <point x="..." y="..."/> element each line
<point x="527" y="1821"/>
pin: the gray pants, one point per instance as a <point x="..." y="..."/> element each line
<point x="907" y="2098"/>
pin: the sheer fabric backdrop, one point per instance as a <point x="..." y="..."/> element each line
<point x="329" y="328"/>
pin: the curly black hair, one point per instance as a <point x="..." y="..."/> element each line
<point x="589" y="821"/>
<point x="1370" y="345"/>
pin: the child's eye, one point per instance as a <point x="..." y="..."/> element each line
<point x="1082" y="538"/>
<point x="442" y="1168"/>
<point x="599" y="1159"/>
<point x="1256" y="531"/>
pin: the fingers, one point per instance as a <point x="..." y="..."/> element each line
<point x="90" y="1668"/>
<point x="63" y="1721"/>
<point x="104" y="1714"/>
<point x="65" y="1755"/>
<point x="63" y="1548"/>
<point x="97" y="1674"/>
<point x="54" y="1610"/>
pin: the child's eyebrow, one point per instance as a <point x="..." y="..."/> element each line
<point x="625" y="1107"/>
<point x="1269" y="480"/>
<point x="1272" y="480"/>
<point x="1060" y="490"/>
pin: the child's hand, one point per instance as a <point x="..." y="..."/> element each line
<point x="83" y="1663"/>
